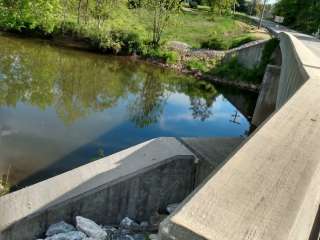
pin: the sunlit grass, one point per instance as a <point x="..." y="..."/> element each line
<point x="197" y="26"/>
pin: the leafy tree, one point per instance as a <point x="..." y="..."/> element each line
<point x="29" y="14"/>
<point x="300" y="14"/>
<point x="221" y="6"/>
<point x="161" y="11"/>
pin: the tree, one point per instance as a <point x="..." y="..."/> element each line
<point x="31" y="14"/>
<point x="242" y="6"/>
<point x="300" y="14"/>
<point x="221" y="6"/>
<point x="161" y="11"/>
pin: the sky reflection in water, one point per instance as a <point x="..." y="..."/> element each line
<point x="61" y="108"/>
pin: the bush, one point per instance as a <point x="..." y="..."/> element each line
<point x="193" y="4"/>
<point x="237" y="42"/>
<point x="215" y="43"/>
<point x="170" y="57"/>
<point x="197" y="64"/>
<point x="233" y="71"/>
<point x="218" y="43"/>
<point x="122" y="41"/>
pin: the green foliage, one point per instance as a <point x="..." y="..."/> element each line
<point x="167" y="56"/>
<point x="222" y="7"/>
<point x="217" y="43"/>
<point x="29" y="14"/>
<point x="199" y="64"/>
<point x="241" y="40"/>
<point x="196" y="64"/>
<point x="122" y="41"/>
<point x="193" y="4"/>
<point x="161" y="10"/>
<point x="220" y="43"/>
<point x="234" y="71"/>
<point x="300" y="14"/>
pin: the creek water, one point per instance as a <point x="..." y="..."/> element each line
<point x="61" y="108"/>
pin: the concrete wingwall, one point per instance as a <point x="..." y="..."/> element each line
<point x="137" y="182"/>
<point x="249" y="55"/>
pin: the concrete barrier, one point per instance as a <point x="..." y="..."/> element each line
<point x="269" y="189"/>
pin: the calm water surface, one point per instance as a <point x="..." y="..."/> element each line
<point x="61" y="108"/>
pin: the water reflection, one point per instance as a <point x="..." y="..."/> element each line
<point x="61" y="108"/>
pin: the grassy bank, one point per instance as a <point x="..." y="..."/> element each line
<point x="116" y="28"/>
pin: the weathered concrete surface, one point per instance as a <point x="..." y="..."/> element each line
<point x="270" y="189"/>
<point x="293" y="71"/>
<point x="267" y="99"/>
<point x="248" y="56"/>
<point x="212" y="152"/>
<point x="135" y="182"/>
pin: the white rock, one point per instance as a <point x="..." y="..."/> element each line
<point x="60" y="227"/>
<point x="90" y="228"/>
<point x="153" y="237"/>
<point x="144" y="225"/>
<point x="74" y="235"/>
<point x="128" y="223"/>
<point x="172" y="207"/>
<point x="110" y="230"/>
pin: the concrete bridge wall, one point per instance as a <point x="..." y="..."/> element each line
<point x="270" y="188"/>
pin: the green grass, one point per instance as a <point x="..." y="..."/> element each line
<point x="198" y="26"/>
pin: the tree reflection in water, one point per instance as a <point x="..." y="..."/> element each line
<point x="43" y="77"/>
<point x="61" y="108"/>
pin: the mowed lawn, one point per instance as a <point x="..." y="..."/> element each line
<point x="196" y="26"/>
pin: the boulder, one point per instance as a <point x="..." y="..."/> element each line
<point x="73" y="235"/>
<point x="60" y="227"/>
<point x="153" y="237"/>
<point x="129" y="224"/>
<point x="171" y="207"/>
<point x="139" y="236"/>
<point x="90" y="228"/>
<point x="111" y="231"/>
<point x="144" y="225"/>
<point x="178" y="46"/>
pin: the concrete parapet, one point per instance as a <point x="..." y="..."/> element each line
<point x="269" y="189"/>
<point x="299" y="64"/>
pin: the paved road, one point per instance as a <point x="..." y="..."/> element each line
<point x="309" y="41"/>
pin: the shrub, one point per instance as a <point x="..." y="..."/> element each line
<point x="215" y="43"/>
<point x="193" y="4"/>
<point x="237" y="42"/>
<point x="170" y="57"/>
<point x="232" y="70"/>
<point x="122" y="41"/>
<point x="196" y="64"/>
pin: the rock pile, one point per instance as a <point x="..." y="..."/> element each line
<point x="87" y="229"/>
